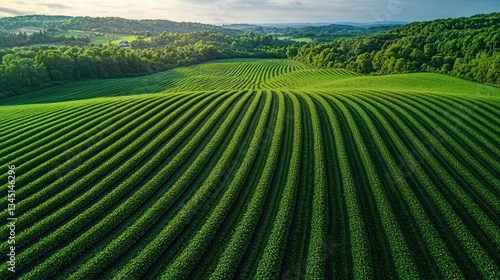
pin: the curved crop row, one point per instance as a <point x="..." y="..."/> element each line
<point x="270" y="263"/>
<point x="228" y="262"/>
<point x="460" y="231"/>
<point x="149" y="254"/>
<point x="73" y="226"/>
<point x="435" y="244"/>
<point x="253" y="169"/>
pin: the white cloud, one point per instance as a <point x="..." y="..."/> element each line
<point x="10" y="12"/>
<point x="256" y="11"/>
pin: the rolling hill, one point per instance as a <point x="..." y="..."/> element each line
<point x="109" y="25"/>
<point x="253" y="168"/>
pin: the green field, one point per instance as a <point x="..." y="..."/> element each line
<point x="115" y="39"/>
<point x="264" y="169"/>
<point x="96" y="38"/>
<point x="301" y="40"/>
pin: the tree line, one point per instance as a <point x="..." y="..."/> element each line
<point x="9" y="40"/>
<point x="322" y="34"/>
<point x="109" y="25"/>
<point x="23" y="69"/>
<point x="246" y="45"/>
<point x="468" y="48"/>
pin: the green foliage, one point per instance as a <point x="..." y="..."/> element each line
<point x="110" y="25"/>
<point x="316" y="34"/>
<point x="467" y="48"/>
<point x="248" y="45"/>
<point x="9" y="40"/>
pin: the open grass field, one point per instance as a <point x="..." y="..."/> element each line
<point x="104" y="39"/>
<point x="114" y="39"/>
<point x="262" y="169"/>
<point x="301" y="40"/>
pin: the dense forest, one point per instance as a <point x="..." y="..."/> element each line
<point x="26" y="68"/>
<point x="468" y="48"/>
<point x="321" y="34"/>
<point x="109" y="25"/>
<point x="9" y="40"/>
<point x="247" y="45"/>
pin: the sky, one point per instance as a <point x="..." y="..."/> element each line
<point x="256" y="11"/>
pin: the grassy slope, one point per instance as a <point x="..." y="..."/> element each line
<point x="424" y="82"/>
<point x="300" y="40"/>
<point x="100" y="39"/>
<point x="114" y="38"/>
<point x="218" y="74"/>
<point x="407" y="180"/>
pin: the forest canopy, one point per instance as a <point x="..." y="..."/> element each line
<point x="468" y="48"/>
<point x="110" y="25"/>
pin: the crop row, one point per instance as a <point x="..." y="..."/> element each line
<point x="457" y="227"/>
<point x="118" y="245"/>
<point x="464" y="198"/>
<point x="429" y="233"/>
<point x="191" y="254"/>
<point x="50" y="184"/>
<point x="138" y="266"/>
<point x="42" y="132"/>
<point x="98" y="190"/>
<point x="191" y="229"/>
<point x="256" y="183"/>
<point x="128" y="206"/>
<point x="231" y="257"/>
<point x="29" y="121"/>
<point x="252" y="256"/>
<point x="39" y="160"/>
<point x="270" y="263"/>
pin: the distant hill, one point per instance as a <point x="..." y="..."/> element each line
<point x="315" y="24"/>
<point x="467" y="47"/>
<point x="312" y="32"/>
<point x="241" y="26"/>
<point x="373" y="24"/>
<point x="109" y="25"/>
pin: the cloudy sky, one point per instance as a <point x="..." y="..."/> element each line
<point x="256" y="11"/>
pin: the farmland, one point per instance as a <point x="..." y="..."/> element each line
<point x="255" y="168"/>
<point x="96" y="37"/>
